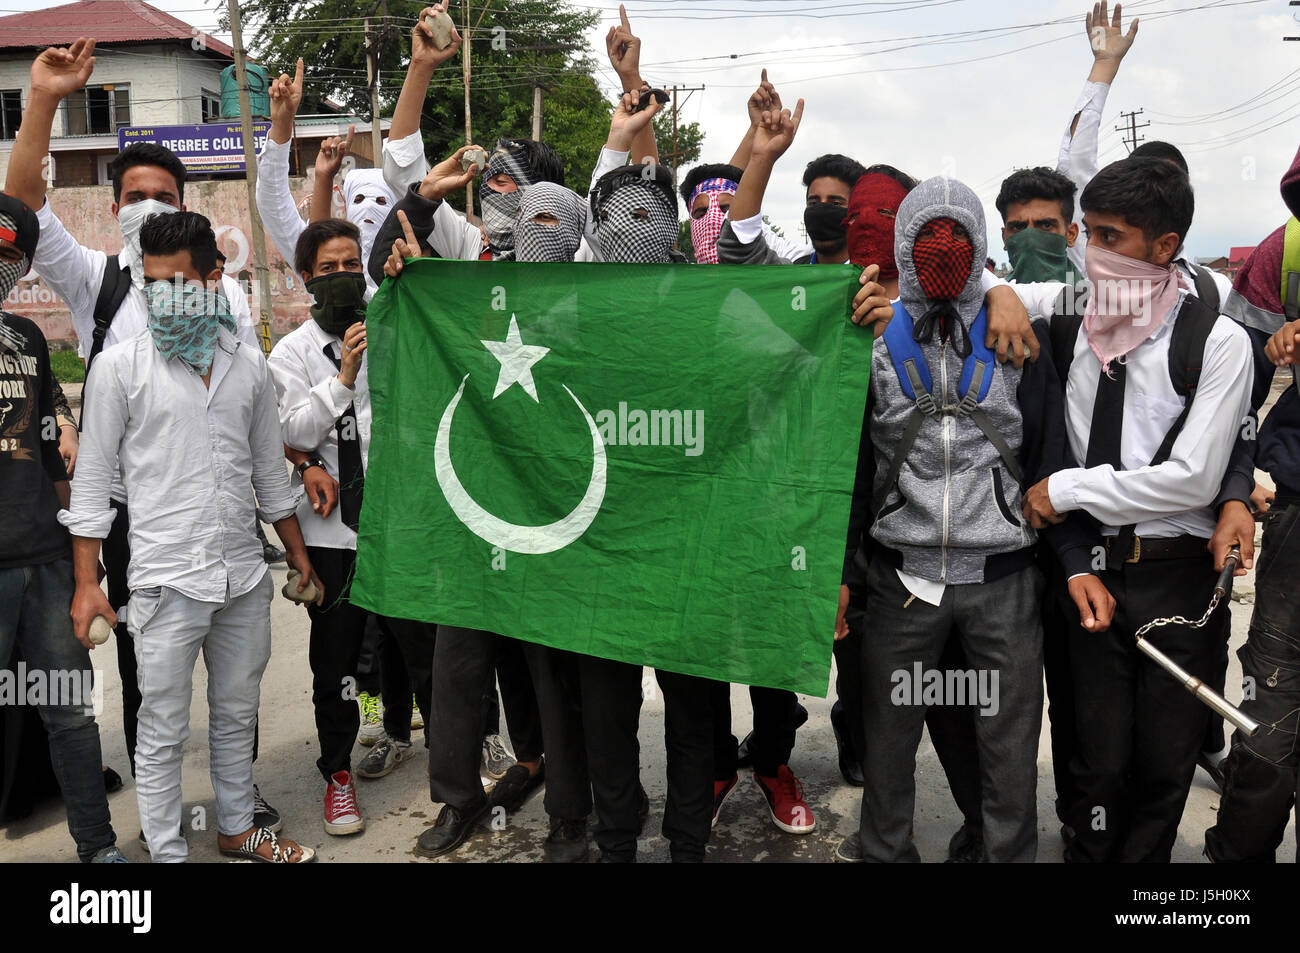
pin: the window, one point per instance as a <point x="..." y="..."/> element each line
<point x="211" y="106"/>
<point x="99" y="110"/>
<point x="11" y="112"/>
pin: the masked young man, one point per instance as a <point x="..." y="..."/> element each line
<point x="952" y="439"/>
<point x="186" y="413"/>
<point x="36" y="578"/>
<point x="1158" y="387"/>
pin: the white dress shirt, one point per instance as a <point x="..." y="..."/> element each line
<point x="275" y="201"/>
<point x="1077" y="156"/>
<point x="1173" y="498"/>
<point x="191" y="457"/>
<point x="311" y="400"/>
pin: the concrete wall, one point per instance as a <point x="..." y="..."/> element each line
<point x="87" y="215"/>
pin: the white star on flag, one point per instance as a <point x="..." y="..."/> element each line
<point x="517" y="360"/>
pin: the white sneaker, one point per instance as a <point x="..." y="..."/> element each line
<point x="372" y="719"/>
<point x="497" y="759"/>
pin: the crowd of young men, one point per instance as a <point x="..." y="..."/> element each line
<point x="1044" y="466"/>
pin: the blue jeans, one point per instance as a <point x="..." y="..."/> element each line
<point x="34" y="604"/>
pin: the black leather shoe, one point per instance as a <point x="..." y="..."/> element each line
<point x="1213" y="766"/>
<point x="514" y="788"/>
<point x="850" y="769"/>
<point x="849" y="851"/>
<point x="567" y="843"/>
<point x="448" y="831"/>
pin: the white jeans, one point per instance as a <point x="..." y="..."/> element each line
<point x="169" y="630"/>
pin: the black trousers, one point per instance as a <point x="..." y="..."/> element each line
<point x="463" y="664"/>
<point x="1060" y="682"/>
<point x="1262" y="777"/>
<point x="777" y="715"/>
<point x="381" y="670"/>
<point x="952" y="732"/>
<point x="848" y="692"/>
<point x="1139" y="729"/>
<point x="688" y="740"/>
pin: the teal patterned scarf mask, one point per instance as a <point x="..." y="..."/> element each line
<point x="184" y="320"/>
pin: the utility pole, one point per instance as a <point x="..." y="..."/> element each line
<point x="537" y="102"/>
<point x="676" y="153"/>
<point x="465" y="73"/>
<point x="250" y="167"/>
<point x="1132" y="139"/>
<point x="372" y="81"/>
<point x="539" y="86"/>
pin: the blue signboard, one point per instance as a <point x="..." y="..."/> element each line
<point x="211" y="147"/>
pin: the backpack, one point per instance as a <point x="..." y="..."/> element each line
<point x="914" y="377"/>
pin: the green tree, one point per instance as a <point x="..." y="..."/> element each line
<point x="690" y="139"/>
<point x="514" y="44"/>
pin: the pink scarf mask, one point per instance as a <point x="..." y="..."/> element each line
<point x="1130" y="301"/>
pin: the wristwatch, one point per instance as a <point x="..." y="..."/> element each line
<point x="312" y="461"/>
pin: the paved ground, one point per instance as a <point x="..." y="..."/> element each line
<point x="397" y="807"/>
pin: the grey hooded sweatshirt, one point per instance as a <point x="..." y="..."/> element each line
<point x="953" y="515"/>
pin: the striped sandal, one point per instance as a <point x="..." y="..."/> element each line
<point x="295" y="854"/>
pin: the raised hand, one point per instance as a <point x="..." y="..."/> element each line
<point x="424" y="54"/>
<point x="286" y="96"/>
<point x="775" y="132"/>
<point x="448" y="176"/>
<point x="624" y="49"/>
<point x="332" y="151"/>
<point x="764" y="99"/>
<point x="60" y="72"/>
<point x="1108" y="40"/>
<point x="404" y="249"/>
<point x="626" y="121"/>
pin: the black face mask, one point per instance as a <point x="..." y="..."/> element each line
<point x="825" y="223"/>
<point x="340" y="300"/>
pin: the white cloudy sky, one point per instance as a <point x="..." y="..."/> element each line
<point x="976" y="87"/>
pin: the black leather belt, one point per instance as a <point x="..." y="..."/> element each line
<point x="1175" y="547"/>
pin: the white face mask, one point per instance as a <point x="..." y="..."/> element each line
<point x="131" y="218"/>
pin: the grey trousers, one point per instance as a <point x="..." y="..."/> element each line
<point x="998" y="624"/>
<point x="170" y="629"/>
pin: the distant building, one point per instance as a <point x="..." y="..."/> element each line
<point x="1229" y="264"/>
<point x="151" y="70"/>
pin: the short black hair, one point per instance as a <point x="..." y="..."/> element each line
<point x="1150" y="194"/>
<point x="317" y="234"/>
<point x="902" y="178"/>
<point x="181" y="231"/>
<point x="1156" y="149"/>
<point x="146" y="153"/>
<point x="652" y="174"/>
<point x="1040" y="182"/>
<point x="543" y="162"/>
<point x="836" y="167"/>
<point x="701" y="173"/>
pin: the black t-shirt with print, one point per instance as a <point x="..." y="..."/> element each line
<point x="30" y="464"/>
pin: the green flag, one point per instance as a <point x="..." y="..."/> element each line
<point x="648" y="463"/>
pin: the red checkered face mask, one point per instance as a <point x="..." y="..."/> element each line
<point x="943" y="260"/>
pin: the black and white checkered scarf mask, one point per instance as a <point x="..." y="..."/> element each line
<point x="10" y="271"/>
<point x="556" y="241"/>
<point x="636" y="225"/>
<point x="501" y="209"/>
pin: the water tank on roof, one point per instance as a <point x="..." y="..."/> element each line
<point x="259" y="96"/>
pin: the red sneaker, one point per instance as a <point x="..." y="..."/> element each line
<point x="341" y="813"/>
<point x="721" y="791"/>
<point x="785" y="802"/>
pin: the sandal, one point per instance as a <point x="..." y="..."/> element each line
<point x="261" y="835"/>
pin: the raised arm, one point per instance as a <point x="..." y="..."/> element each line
<point x="764" y="99"/>
<point x="274" y="198"/>
<point x="403" y="159"/>
<point x="773" y="135"/>
<point x="56" y="73"/>
<point x="624" y="49"/>
<point x="328" y="161"/>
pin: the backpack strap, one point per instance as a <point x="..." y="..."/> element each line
<point x="1206" y="289"/>
<point x="113" y="288"/>
<point x="1192" y="328"/>
<point x="914" y="378"/>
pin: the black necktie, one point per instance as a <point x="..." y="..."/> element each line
<point x="351" y="471"/>
<point x="1104" y="442"/>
